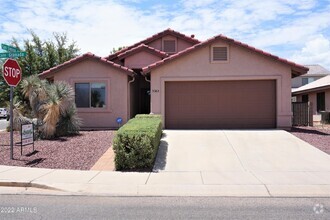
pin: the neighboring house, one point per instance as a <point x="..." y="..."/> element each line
<point x="315" y="72"/>
<point x="318" y="93"/>
<point x="218" y="83"/>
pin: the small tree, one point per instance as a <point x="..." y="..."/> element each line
<point x="115" y="50"/>
<point x="40" y="56"/>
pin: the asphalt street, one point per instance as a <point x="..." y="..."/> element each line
<point x="87" y="207"/>
<point x="3" y="124"/>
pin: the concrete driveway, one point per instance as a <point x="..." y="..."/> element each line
<point x="267" y="157"/>
<point x="236" y="150"/>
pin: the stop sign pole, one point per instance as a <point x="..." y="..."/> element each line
<point x="12" y="74"/>
<point x="11" y="123"/>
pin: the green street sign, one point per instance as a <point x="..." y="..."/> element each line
<point x="9" y="48"/>
<point x="4" y="55"/>
<point x="12" y="55"/>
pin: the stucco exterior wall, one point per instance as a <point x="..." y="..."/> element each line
<point x="157" y="44"/>
<point x="296" y="82"/>
<point x="140" y="60"/>
<point x="181" y="44"/>
<point x="242" y="65"/>
<point x="116" y="92"/>
<point x="312" y="99"/>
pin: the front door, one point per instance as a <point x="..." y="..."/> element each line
<point x="145" y="101"/>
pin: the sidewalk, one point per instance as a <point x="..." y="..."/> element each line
<point x="22" y="180"/>
<point x="106" y="162"/>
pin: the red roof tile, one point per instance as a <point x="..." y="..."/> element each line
<point x="83" y="57"/>
<point x="300" y="68"/>
<point x="153" y="38"/>
<point x="140" y="48"/>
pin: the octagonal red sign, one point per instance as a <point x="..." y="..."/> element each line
<point x="11" y="72"/>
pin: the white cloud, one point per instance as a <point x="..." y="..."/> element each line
<point x="97" y="27"/>
<point x="315" y="51"/>
<point x="197" y="3"/>
<point x="100" y="25"/>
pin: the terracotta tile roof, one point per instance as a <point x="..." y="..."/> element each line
<point x="299" y="69"/>
<point x="153" y="38"/>
<point x="319" y="84"/>
<point x="81" y="58"/>
<point x="140" y="48"/>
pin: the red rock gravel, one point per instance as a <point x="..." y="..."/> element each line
<point x="317" y="136"/>
<point x="76" y="152"/>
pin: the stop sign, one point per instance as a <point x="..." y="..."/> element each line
<point x="12" y="72"/>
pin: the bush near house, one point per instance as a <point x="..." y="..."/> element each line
<point x="149" y="116"/>
<point x="136" y="143"/>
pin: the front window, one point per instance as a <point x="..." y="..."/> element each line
<point x="90" y="95"/>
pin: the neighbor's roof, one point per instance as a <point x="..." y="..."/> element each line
<point x="296" y="68"/>
<point x="319" y="84"/>
<point x="142" y="47"/>
<point x="153" y="38"/>
<point x="316" y="70"/>
<point x="84" y="57"/>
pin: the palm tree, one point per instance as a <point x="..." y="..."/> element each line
<point x="53" y="106"/>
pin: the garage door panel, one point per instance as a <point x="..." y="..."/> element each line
<point x="220" y="104"/>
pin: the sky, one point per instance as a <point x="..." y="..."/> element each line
<point x="298" y="30"/>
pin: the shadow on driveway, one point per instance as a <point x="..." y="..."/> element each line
<point x="308" y="131"/>
<point x="160" y="162"/>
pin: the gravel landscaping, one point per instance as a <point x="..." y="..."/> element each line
<point x="318" y="136"/>
<point x="78" y="152"/>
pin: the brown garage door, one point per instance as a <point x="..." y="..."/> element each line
<point x="220" y="104"/>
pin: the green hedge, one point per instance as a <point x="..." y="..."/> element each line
<point x="148" y="116"/>
<point x="136" y="143"/>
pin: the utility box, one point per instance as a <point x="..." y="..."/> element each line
<point x="325" y="117"/>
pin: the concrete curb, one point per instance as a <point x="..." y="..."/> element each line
<point x="27" y="184"/>
<point x="161" y="191"/>
<point x="141" y="190"/>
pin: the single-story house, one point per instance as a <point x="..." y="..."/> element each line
<point x="317" y="93"/>
<point x="218" y="83"/>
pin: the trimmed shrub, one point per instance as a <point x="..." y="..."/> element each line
<point x="136" y="143"/>
<point x="148" y="116"/>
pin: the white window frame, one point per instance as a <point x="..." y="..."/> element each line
<point x="220" y="61"/>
